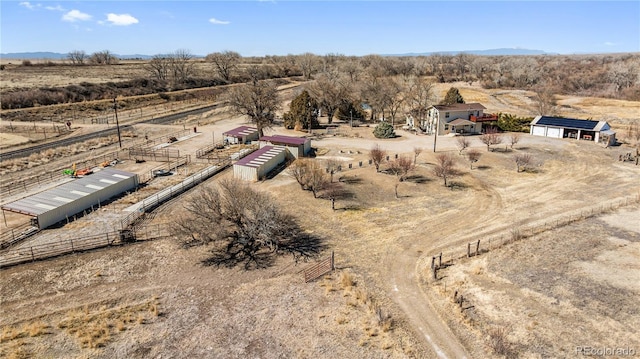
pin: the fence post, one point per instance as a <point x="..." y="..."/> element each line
<point x="440" y="260"/>
<point x="478" y="247"/>
<point x="33" y="258"/>
<point x="468" y="250"/>
<point x="71" y="241"/>
<point x="332" y="261"/>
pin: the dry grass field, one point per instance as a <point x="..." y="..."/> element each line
<point x="157" y="299"/>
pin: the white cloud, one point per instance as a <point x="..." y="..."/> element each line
<point x="54" y="8"/>
<point x="215" y="21"/>
<point x="121" y="19"/>
<point x="29" y="5"/>
<point x="76" y="15"/>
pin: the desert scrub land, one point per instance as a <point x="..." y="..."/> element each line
<point x="574" y="286"/>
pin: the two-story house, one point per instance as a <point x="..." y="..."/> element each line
<point x="456" y="118"/>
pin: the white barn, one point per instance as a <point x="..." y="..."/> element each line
<point x="559" y="127"/>
<point x="259" y="163"/>
<point x="242" y="134"/>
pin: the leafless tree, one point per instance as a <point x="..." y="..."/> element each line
<point x="473" y="156"/>
<point x="400" y="167"/>
<point x="257" y="100"/>
<point x="249" y="225"/>
<point x="416" y="152"/>
<point x="377" y="155"/>
<point x="523" y="161"/>
<point x="491" y="137"/>
<point x="104" y="57"/>
<point x="329" y="90"/>
<point x="308" y="64"/>
<point x="182" y="65"/>
<point x="332" y="166"/>
<point x="445" y="167"/>
<point x="77" y="57"/>
<point x="514" y="138"/>
<point x="309" y="175"/>
<point x="225" y="62"/>
<point x="393" y="93"/>
<point x="545" y="100"/>
<point x="159" y="67"/>
<point x="463" y="143"/>
<point x="419" y="97"/>
<point x="299" y="169"/>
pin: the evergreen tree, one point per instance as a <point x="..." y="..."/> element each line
<point x="452" y="97"/>
<point x="384" y="130"/>
<point x="302" y="110"/>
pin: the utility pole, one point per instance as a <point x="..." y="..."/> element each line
<point x="351" y="118"/>
<point x="310" y="114"/>
<point x="435" y="135"/>
<point x="115" y="108"/>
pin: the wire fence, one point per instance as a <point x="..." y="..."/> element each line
<point x="479" y="245"/>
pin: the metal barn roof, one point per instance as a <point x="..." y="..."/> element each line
<point x="241" y="131"/>
<point x="285" y="140"/>
<point x="261" y="156"/>
<point x="566" y="123"/>
<point x="51" y="199"/>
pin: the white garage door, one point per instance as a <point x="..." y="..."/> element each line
<point x="538" y="131"/>
<point x="553" y="132"/>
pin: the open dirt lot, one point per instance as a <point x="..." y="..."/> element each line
<point x="155" y="299"/>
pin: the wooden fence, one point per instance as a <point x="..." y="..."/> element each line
<point x="14" y="235"/>
<point x="204" y="151"/>
<point x="319" y="269"/>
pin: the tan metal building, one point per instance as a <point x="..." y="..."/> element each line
<point x="258" y="164"/>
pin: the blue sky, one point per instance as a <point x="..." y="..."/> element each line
<point x="258" y="28"/>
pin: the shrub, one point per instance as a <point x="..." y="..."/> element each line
<point x="384" y="130"/>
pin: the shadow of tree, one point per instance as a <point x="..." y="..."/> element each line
<point x="350" y="180"/>
<point x="301" y="245"/>
<point x="417" y="179"/>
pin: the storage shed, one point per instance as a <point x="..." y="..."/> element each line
<point x="54" y="205"/>
<point x="242" y="134"/>
<point x="256" y="165"/>
<point x="296" y="146"/>
<point x="559" y="127"/>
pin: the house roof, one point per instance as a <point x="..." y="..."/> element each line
<point x="261" y="156"/>
<point x="51" y="199"/>
<point x="241" y="131"/>
<point x="461" y="121"/>
<point x="570" y="123"/>
<point x="284" y="140"/>
<point x="460" y="107"/>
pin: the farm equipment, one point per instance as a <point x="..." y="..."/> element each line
<point x="73" y="172"/>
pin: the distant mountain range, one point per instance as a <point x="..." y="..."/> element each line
<point x="491" y="52"/>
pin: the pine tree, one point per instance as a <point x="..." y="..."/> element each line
<point x="302" y="110"/>
<point x="452" y="97"/>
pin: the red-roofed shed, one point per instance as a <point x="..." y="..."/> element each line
<point x="297" y="146"/>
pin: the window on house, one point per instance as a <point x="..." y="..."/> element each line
<point x="446" y="127"/>
<point x="446" y="115"/>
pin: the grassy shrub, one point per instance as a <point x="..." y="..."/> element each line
<point x="384" y="130"/>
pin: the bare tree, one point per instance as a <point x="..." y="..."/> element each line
<point x="490" y="137"/>
<point x="329" y="91"/>
<point x="77" y="57"/>
<point x="377" y="155"/>
<point x="299" y="170"/>
<point x="104" y="57"/>
<point x="545" y="99"/>
<point x="257" y="100"/>
<point x="308" y="64"/>
<point x="159" y="67"/>
<point x="249" y="225"/>
<point x="182" y="65"/>
<point x="419" y="97"/>
<point x="400" y="167"/>
<point x="309" y="175"/>
<point x="416" y="152"/>
<point x="463" y="143"/>
<point x="514" y="138"/>
<point x="225" y="62"/>
<point x="473" y="156"/>
<point x="523" y="161"/>
<point x="445" y="167"/>
<point x="333" y="166"/>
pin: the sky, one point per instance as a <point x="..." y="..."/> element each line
<point x="262" y="27"/>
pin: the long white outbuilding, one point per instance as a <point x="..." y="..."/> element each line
<point x="60" y="203"/>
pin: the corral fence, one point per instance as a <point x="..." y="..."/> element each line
<point x="171" y="165"/>
<point x="319" y="269"/>
<point x="14" y="235"/>
<point x="204" y="151"/>
<point x="477" y="246"/>
<point x="34" y="253"/>
<point x="150" y="154"/>
<point x="166" y="194"/>
<point x="26" y="184"/>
